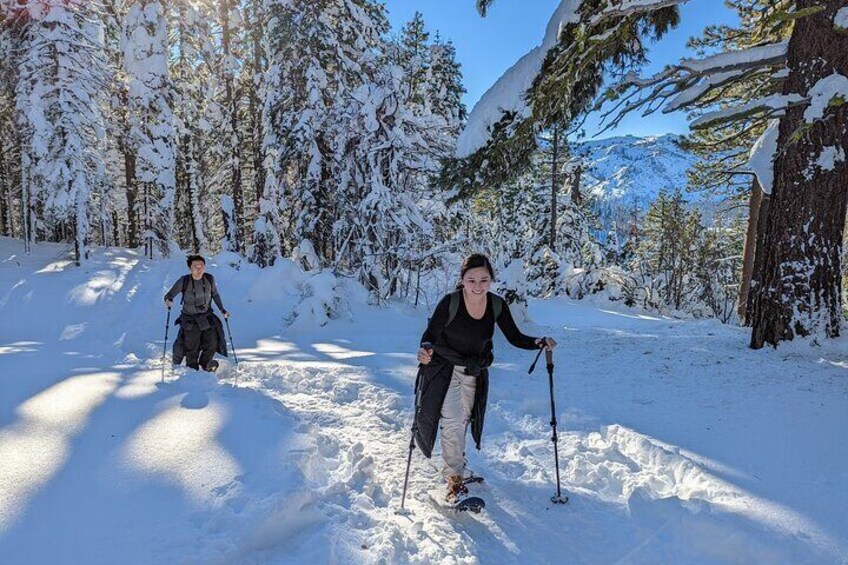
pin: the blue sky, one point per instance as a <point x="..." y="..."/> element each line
<point x="486" y="47"/>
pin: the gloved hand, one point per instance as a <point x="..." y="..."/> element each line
<point x="472" y="366"/>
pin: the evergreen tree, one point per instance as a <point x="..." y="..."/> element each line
<point x="152" y="121"/>
<point x="669" y="239"/>
<point x="324" y="50"/>
<point x="264" y="247"/>
<point x="10" y="143"/>
<point x="228" y="176"/>
<point x="414" y="57"/>
<point x="192" y="58"/>
<point x="444" y="85"/>
<point x="267" y="244"/>
<point x="58" y="106"/>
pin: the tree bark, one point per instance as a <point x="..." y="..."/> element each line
<point x="5" y="191"/>
<point x="749" y="247"/>
<point x="234" y="145"/>
<point x="801" y="289"/>
<point x="258" y="25"/>
<point x="576" y="197"/>
<point x="132" y="197"/>
<point x="759" y="253"/>
<point x="554" y="187"/>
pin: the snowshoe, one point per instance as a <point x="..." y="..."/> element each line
<point x="471" y="504"/>
<point x="456" y="498"/>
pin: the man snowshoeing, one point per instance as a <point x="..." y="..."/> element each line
<point x="201" y="332"/>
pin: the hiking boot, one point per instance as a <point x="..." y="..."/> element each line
<point x="456" y="488"/>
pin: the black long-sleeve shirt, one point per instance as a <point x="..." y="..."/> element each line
<point x="469" y="337"/>
<point x="198" y="294"/>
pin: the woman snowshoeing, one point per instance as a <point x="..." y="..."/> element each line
<point x="453" y="377"/>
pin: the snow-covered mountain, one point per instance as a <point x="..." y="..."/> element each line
<point x="627" y="173"/>
<point x="634" y="169"/>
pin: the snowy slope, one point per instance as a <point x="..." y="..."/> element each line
<point x="627" y="173"/>
<point x="632" y="169"/>
<point x="677" y="443"/>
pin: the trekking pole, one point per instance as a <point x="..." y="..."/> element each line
<point x="411" y="448"/>
<point x="428" y="346"/>
<point x="165" y="346"/>
<point x="231" y="340"/>
<point x="549" y="357"/>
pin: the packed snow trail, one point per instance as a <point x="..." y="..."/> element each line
<point x="677" y="443"/>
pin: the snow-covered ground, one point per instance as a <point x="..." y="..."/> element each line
<point x="678" y="444"/>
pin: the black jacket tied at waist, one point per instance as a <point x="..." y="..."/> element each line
<point x="203" y="321"/>
<point x="431" y="387"/>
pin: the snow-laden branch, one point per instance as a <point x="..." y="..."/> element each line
<point x="690" y="82"/>
<point x="507" y="95"/>
<point x="772" y="106"/>
<point x="757" y="56"/>
<point x="625" y="8"/>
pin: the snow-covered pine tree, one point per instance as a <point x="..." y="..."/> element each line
<point x="151" y="118"/>
<point x="444" y="85"/>
<point x="192" y="57"/>
<point x="798" y="290"/>
<point x="414" y="56"/>
<point x="10" y="160"/>
<point x="669" y="237"/>
<point x="431" y="88"/>
<point x="323" y="51"/>
<point x="61" y="76"/>
<point x="381" y="176"/>
<point x="227" y="177"/>
<point x="120" y="150"/>
<point x="267" y="244"/>
<point x="737" y="66"/>
<point x="541" y="258"/>
<point x="254" y="68"/>
<point x="718" y="259"/>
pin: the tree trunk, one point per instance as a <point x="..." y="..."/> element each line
<point x="749" y="246"/>
<point x="800" y="294"/>
<point x="5" y="191"/>
<point x="759" y="258"/>
<point x="256" y="104"/>
<point x="132" y="198"/>
<point x="554" y="187"/>
<point x="234" y="142"/>
<point x="575" y="186"/>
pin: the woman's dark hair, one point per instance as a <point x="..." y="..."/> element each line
<point x="474" y="261"/>
<point x="192" y="258"/>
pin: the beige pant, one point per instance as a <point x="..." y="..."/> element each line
<point x="456" y="413"/>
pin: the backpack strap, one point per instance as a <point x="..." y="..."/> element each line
<point x="497" y="305"/>
<point x="185" y="286"/>
<point x="454" y="305"/>
<point x="186" y="278"/>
